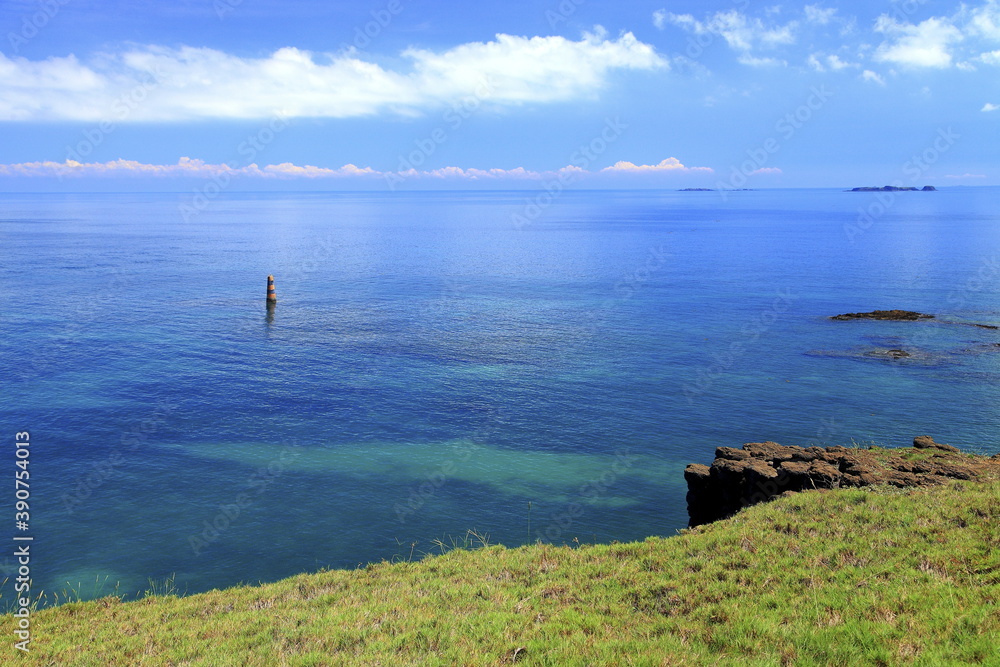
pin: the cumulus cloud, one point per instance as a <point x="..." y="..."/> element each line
<point x="871" y="76"/>
<point x="985" y="20"/>
<point x="670" y="164"/>
<point x="766" y="171"/>
<point x="740" y="32"/>
<point x="757" y="61"/>
<point x="965" y="176"/>
<point x="818" y="15"/>
<point x="157" y="83"/>
<point x="926" y="44"/>
<point x="990" y="107"/>
<point x="660" y="18"/>
<point x="990" y="58"/>
<point x="831" y="62"/>
<point x="188" y="167"/>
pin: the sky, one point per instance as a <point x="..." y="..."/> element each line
<point x="521" y="94"/>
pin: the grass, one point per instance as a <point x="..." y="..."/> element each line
<point x="849" y="577"/>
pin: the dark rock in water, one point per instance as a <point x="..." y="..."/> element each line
<point x="985" y="326"/>
<point x="894" y="188"/>
<point x="764" y="470"/>
<point x="894" y="315"/>
<point x="884" y="355"/>
<point x="892" y="354"/>
<point x="927" y="442"/>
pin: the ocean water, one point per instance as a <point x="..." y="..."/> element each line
<point x="439" y="362"/>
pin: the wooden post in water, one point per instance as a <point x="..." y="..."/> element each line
<point x="272" y="297"/>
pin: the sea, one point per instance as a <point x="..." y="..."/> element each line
<point x="454" y="368"/>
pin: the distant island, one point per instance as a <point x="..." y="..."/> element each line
<point x="897" y="315"/>
<point x="894" y="188"/>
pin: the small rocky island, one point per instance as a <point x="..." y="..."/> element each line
<point x="894" y="315"/>
<point x="761" y="471"/>
<point x="894" y="188"/>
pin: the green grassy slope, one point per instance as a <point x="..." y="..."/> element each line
<point x="848" y="577"/>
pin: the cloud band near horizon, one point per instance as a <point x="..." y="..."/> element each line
<point x="161" y="84"/>
<point x="187" y="167"/>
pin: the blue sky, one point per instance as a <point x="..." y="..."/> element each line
<point x="404" y="94"/>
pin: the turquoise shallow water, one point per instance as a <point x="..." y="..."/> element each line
<point x="432" y="366"/>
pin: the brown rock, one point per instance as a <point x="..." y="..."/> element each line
<point x="696" y="472"/>
<point x="823" y="475"/>
<point x="794" y="475"/>
<point x="731" y="453"/>
<point x="902" y="479"/>
<point x="927" y="442"/>
<point x="727" y="470"/>
<point x="761" y="471"/>
<point x="770" y="451"/>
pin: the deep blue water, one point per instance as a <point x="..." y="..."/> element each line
<point x="433" y="366"/>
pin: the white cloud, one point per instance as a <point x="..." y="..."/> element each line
<point x="990" y="107"/>
<point x="990" y="58"/>
<point x="869" y="75"/>
<point x="155" y="83"/>
<point x="818" y="15"/>
<point x="832" y="62"/>
<point x="985" y="20"/>
<point x="740" y="32"/>
<point x="188" y="167"/>
<point x="670" y="164"/>
<point x="926" y="44"/>
<point x="836" y="64"/>
<point x="965" y="176"/>
<point x="766" y="171"/>
<point x="660" y="18"/>
<point x="756" y="61"/>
